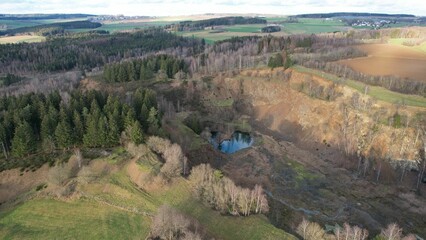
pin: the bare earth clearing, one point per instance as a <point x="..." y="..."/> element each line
<point x="389" y="59"/>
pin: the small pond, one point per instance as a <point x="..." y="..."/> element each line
<point x="238" y="141"/>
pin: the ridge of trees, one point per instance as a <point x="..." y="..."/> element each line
<point x="52" y="28"/>
<point x="201" y="24"/>
<point x="86" y="51"/>
<point x="35" y="123"/>
<point x="144" y="69"/>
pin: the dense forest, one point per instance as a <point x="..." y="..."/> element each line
<point x="200" y="25"/>
<point x="144" y="69"/>
<point x="88" y="50"/>
<point x="37" y="123"/>
<point x="42" y="16"/>
<point x="52" y="28"/>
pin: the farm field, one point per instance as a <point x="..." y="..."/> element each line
<point x="379" y="93"/>
<point x="304" y="26"/>
<point x="22" y="38"/>
<point x="390" y="59"/>
<point x="312" y="26"/>
<point x="114" y="27"/>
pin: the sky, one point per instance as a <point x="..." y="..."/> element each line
<point x="191" y="7"/>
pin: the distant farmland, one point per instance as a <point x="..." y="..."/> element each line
<point x="390" y="59"/>
<point x="20" y="39"/>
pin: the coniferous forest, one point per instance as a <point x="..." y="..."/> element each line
<point x="34" y="124"/>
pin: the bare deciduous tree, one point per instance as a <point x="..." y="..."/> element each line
<point x="310" y="230"/>
<point x="350" y="232"/>
<point x="170" y="224"/>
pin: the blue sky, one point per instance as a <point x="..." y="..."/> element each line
<point x="188" y="7"/>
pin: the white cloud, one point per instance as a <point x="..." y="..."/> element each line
<point x="187" y="7"/>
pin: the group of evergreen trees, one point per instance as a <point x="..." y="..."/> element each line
<point x="278" y="60"/>
<point x="89" y="50"/>
<point x="144" y="69"/>
<point x="37" y="123"/>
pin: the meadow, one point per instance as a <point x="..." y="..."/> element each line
<point x="114" y="207"/>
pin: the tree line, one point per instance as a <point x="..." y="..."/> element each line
<point x="86" y="51"/>
<point x="144" y="69"/>
<point x="52" y="28"/>
<point x="313" y="231"/>
<point x="201" y="24"/>
<point x="35" y="123"/>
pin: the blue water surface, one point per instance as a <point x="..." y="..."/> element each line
<point x="238" y="141"/>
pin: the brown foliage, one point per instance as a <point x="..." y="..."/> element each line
<point x="222" y="194"/>
<point x="170" y="224"/>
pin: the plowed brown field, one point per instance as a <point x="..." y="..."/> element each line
<point x="388" y="59"/>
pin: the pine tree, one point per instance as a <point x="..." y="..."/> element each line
<point x="153" y="123"/>
<point x="113" y="130"/>
<point x="91" y="135"/>
<point x="102" y="132"/>
<point x="64" y="134"/>
<point x="122" y="74"/>
<point x="130" y="117"/>
<point x="135" y="132"/>
<point x="23" y="142"/>
<point x="146" y="73"/>
<point x="78" y="127"/>
<point x="48" y="126"/>
<point x="144" y="117"/>
<point x="131" y="72"/>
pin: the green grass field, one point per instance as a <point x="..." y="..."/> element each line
<point x="82" y="219"/>
<point x="20" y="39"/>
<point x="113" y="27"/>
<point x="376" y="92"/>
<point x="309" y="26"/>
<point x="101" y="213"/>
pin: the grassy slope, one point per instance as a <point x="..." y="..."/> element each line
<point x="82" y="219"/>
<point x="379" y="93"/>
<point x="101" y="213"/>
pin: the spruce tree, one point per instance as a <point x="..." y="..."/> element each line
<point x="23" y="142"/>
<point x="113" y="137"/>
<point x="78" y="127"/>
<point x="91" y="135"/>
<point x="144" y="117"/>
<point x="153" y="122"/>
<point x="135" y="132"/>
<point x="64" y="134"/>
